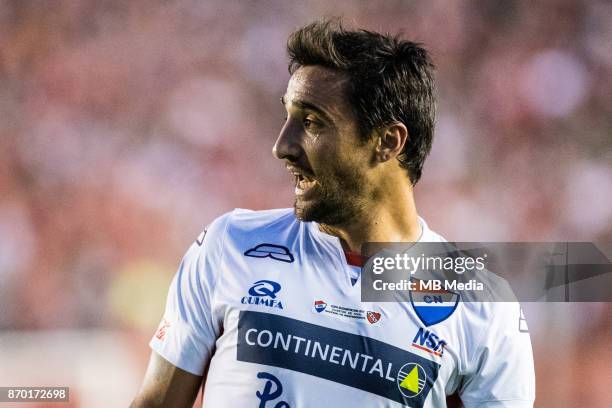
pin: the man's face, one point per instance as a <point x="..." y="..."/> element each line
<point x="321" y="147"/>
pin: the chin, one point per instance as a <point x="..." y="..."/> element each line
<point x="301" y="211"/>
<point x="320" y="212"/>
<point x="308" y="211"/>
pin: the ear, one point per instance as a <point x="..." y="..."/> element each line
<point x="391" y="141"/>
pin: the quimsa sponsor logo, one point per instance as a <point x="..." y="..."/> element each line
<point x="263" y="293"/>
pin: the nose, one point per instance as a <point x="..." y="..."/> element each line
<point x="288" y="144"/>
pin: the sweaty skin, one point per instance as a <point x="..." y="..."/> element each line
<point x="354" y="189"/>
<point x="166" y="386"/>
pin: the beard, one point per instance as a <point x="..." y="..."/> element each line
<point x="338" y="198"/>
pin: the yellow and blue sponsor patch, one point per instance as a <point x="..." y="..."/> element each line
<point x="411" y="379"/>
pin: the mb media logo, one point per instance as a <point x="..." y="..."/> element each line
<point x="263" y="292"/>
<point x="411" y="380"/>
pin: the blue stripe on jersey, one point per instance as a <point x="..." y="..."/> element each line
<point x="350" y="359"/>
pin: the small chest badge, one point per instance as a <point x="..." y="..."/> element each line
<point x="320" y="305"/>
<point x="373" y="317"/>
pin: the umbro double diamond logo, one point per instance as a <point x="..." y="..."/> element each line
<point x="276" y="252"/>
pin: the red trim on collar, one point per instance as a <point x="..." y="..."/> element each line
<point x="355" y="258"/>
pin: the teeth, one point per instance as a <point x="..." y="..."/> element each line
<point x="302" y="184"/>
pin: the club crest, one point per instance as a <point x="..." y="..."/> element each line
<point x="433" y="306"/>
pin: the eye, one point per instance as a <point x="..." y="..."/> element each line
<point x="309" y="122"/>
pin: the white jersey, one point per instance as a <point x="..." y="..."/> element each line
<point x="271" y="306"/>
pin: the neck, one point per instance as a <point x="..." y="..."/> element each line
<point x="393" y="219"/>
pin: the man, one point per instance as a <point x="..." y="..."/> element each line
<point x="266" y="305"/>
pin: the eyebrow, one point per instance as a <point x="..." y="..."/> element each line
<point x="305" y="105"/>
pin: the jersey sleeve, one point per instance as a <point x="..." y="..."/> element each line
<point x="188" y="330"/>
<point x="501" y="370"/>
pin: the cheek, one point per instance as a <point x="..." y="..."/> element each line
<point x="321" y="152"/>
<point x="350" y="166"/>
<point x="329" y="153"/>
<point x="354" y="157"/>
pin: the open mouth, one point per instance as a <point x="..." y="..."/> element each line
<point x="302" y="184"/>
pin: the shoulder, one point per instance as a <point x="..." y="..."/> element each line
<point x="249" y="220"/>
<point x="429" y="235"/>
<point x="501" y="314"/>
<point x="242" y="224"/>
<point x="495" y="288"/>
<point x="231" y="234"/>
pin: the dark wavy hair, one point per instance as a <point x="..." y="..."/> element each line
<point x="390" y="80"/>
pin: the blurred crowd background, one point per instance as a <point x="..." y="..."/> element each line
<point x="126" y="127"/>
